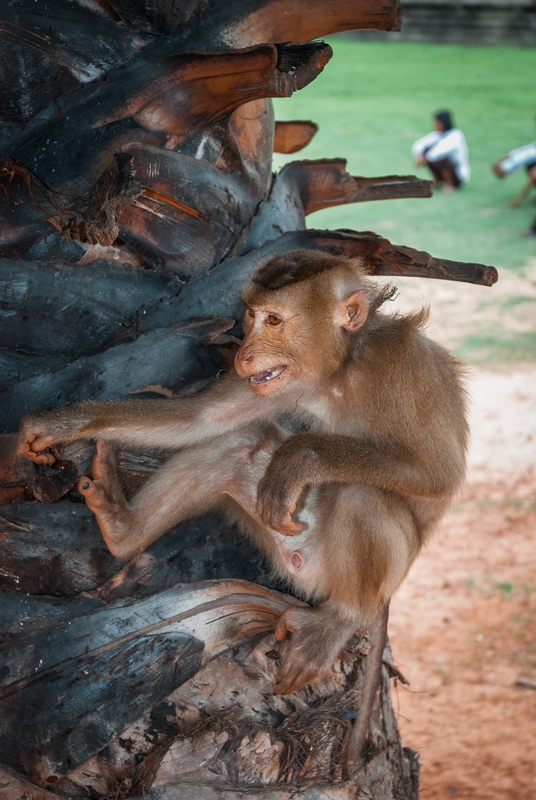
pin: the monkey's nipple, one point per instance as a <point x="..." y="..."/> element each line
<point x="297" y="559"/>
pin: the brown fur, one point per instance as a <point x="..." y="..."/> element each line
<point x="343" y="508"/>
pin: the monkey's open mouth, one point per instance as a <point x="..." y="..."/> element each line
<point x="267" y="375"/>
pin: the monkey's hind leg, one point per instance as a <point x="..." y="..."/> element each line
<point x="104" y="495"/>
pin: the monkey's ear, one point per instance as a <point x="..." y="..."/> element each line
<point x="354" y="310"/>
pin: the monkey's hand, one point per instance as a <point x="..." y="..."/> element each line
<point x="294" y="465"/>
<point x="318" y="637"/>
<point x="277" y="496"/>
<point x="38" y="432"/>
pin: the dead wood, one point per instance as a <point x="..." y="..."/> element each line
<point x="173" y="226"/>
<point x="15" y="787"/>
<point x="227" y="26"/>
<point x="142" y="102"/>
<point x="148" y="649"/>
<point x="303" y="187"/>
<point x="325" y="183"/>
<point x="59" y="311"/>
<point x="384" y="258"/>
<point x="173" y="358"/>
<point x="293" y="135"/>
<point x="90" y="217"/>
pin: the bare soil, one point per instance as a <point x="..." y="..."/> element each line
<point x="463" y="625"/>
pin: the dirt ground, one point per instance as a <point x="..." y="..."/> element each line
<point x="463" y="625"/>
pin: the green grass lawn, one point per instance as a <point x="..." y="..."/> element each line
<point x="375" y="98"/>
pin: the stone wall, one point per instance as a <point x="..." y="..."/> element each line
<point x="463" y="22"/>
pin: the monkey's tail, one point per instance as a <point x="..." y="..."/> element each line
<point x="373" y="665"/>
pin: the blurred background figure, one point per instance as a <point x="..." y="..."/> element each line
<point x="444" y="151"/>
<point x="520" y="157"/>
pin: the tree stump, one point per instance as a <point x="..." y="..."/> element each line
<point x="136" y="199"/>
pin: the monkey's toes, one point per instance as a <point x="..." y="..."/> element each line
<point x="94" y="494"/>
<point x="281" y="629"/>
<point x="293" y="676"/>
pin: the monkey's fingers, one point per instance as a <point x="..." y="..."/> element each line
<point x="289" y="527"/>
<point x="292" y="676"/>
<point x="278" y="515"/>
<point x="36" y="451"/>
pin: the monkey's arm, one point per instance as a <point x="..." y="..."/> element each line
<point x="312" y="458"/>
<point x="167" y="423"/>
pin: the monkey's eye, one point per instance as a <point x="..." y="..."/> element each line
<point x="271" y="319"/>
<point x="250" y="313"/>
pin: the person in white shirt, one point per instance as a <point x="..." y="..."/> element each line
<point x="444" y="151"/>
<point x="520" y="157"/>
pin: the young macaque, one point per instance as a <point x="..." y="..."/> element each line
<point x="341" y="508"/>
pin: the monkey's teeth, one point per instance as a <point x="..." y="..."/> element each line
<point x="267" y="375"/>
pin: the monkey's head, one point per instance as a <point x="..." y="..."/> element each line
<point x="304" y="310"/>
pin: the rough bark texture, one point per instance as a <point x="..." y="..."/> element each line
<point x="136" y="199"/>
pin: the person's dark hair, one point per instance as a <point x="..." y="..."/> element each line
<point x="445" y="119"/>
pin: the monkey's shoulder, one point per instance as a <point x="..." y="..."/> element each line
<point x="400" y="342"/>
<point x="401" y="364"/>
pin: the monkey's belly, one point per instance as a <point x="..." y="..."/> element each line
<point x="301" y="555"/>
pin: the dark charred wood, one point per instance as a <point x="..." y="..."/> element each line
<point x="47" y="57"/>
<point x="152" y="16"/>
<point x="60" y="718"/>
<point x="59" y="550"/>
<point x="381" y="257"/>
<point x="59" y="311"/>
<point x="52" y="550"/>
<point x="171" y="358"/>
<point x="22" y="223"/>
<point x="106" y="668"/>
<point x="90" y="217"/>
<point x="93" y="216"/>
<point x="142" y="102"/>
<point x="176" y="228"/>
<point x="303" y="187"/>
<point x="24" y="614"/>
<point x="293" y="135"/>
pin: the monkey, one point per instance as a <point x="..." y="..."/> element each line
<point x="343" y="502"/>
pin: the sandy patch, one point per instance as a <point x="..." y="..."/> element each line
<point x="458" y="310"/>
<point x="463" y="631"/>
<point x="463" y="625"/>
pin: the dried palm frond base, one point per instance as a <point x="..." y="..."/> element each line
<point x="224" y="734"/>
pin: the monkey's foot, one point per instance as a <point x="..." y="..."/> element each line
<point x="318" y="636"/>
<point x="104" y="497"/>
<point x="104" y="489"/>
